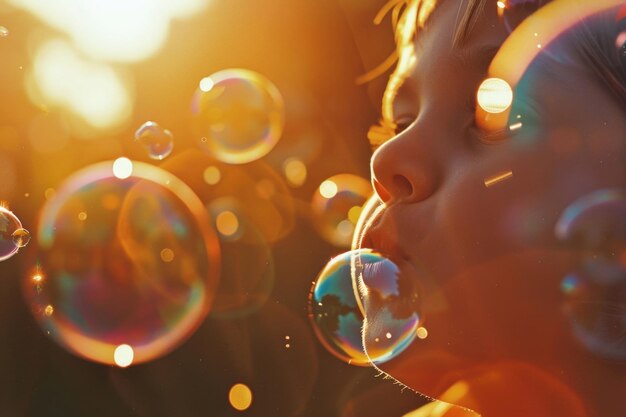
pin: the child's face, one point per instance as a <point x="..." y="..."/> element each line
<point x="493" y="266"/>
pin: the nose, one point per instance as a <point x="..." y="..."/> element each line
<point x="404" y="169"/>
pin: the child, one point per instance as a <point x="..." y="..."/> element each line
<point x="476" y="188"/>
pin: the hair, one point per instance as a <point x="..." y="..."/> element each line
<point x="409" y="17"/>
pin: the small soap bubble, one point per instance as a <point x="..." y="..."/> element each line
<point x="239" y="114"/>
<point x="133" y="277"/>
<point x="21" y="237"/>
<point x="513" y="12"/>
<point x="389" y="297"/>
<point x="594" y="227"/>
<point x="336" y="206"/>
<point x="4" y="32"/>
<point x="10" y="232"/>
<point x="159" y="142"/>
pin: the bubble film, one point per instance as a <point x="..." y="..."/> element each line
<point x="334" y="311"/>
<point x="595" y="293"/>
<point x="158" y="142"/>
<point x="238" y="115"/>
<point x="390" y="301"/>
<point x="11" y="233"/>
<point x="336" y="207"/>
<point x="129" y="261"/>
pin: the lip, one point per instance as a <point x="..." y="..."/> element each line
<point x="381" y="234"/>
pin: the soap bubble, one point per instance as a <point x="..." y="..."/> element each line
<point x="595" y="292"/>
<point x="386" y="295"/>
<point x="336" y="207"/>
<point x="239" y="114"/>
<point x="159" y="142"/>
<point x="334" y="312"/>
<point x="513" y="12"/>
<point x="389" y="298"/>
<point x="130" y="261"/>
<point x="12" y="235"/>
<point x="21" y="237"/>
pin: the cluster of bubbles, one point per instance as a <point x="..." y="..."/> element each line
<point x="595" y="293"/>
<point x="12" y="235"/>
<point x="158" y="142"/>
<point x="238" y="114"/>
<point x="364" y="307"/>
<point x="127" y="263"/>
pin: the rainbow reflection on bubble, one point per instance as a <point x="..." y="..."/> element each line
<point x="334" y="311"/>
<point x="129" y="261"/>
<point x="12" y="235"/>
<point x="158" y="142"/>
<point x="238" y="115"/>
<point x="595" y="292"/>
<point x="336" y="207"/>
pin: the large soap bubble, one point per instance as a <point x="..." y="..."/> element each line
<point x="125" y="259"/>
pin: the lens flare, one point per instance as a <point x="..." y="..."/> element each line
<point x="336" y="206"/>
<point x="594" y="226"/>
<point x="494" y="95"/>
<point x="140" y="269"/>
<point x="12" y="235"/>
<point x="158" y="142"/>
<point x="239" y="114"/>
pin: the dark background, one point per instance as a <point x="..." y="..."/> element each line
<point x="313" y="51"/>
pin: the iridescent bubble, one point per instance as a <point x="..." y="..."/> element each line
<point x="21" y="237"/>
<point x="10" y="230"/>
<point x="238" y="114"/>
<point x="389" y="297"/>
<point x="513" y="12"/>
<point x="159" y="142"/>
<point x="123" y="262"/>
<point x="595" y="293"/>
<point x="334" y="311"/>
<point x="386" y="295"/>
<point x="336" y="207"/>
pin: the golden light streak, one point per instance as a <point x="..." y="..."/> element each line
<point x="498" y="178"/>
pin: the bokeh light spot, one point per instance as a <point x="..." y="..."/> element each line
<point x="328" y="189"/>
<point x="494" y="95"/>
<point x="167" y="255"/>
<point x="295" y="172"/>
<point x="122" y="168"/>
<point x="227" y="223"/>
<point x="212" y="175"/>
<point x="240" y="397"/>
<point x="123" y="356"/>
<point x="206" y="84"/>
<point x="4" y="32"/>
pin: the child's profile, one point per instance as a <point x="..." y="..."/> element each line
<point x="514" y="216"/>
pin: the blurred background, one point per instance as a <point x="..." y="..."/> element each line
<point x="77" y="81"/>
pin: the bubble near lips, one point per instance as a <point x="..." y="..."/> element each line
<point x="390" y="302"/>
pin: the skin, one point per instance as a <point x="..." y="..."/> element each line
<point x="488" y="264"/>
